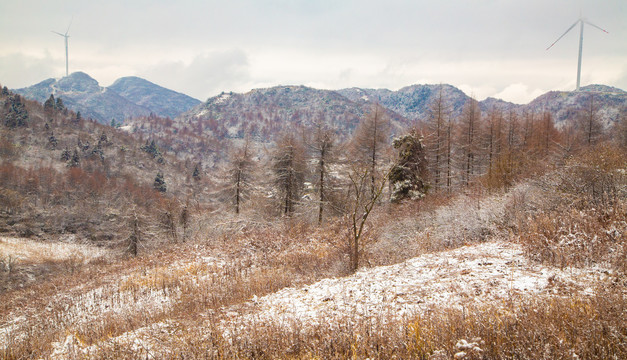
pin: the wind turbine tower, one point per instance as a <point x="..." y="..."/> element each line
<point x="66" y="36"/>
<point x="581" y="21"/>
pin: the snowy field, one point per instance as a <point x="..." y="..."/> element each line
<point x="486" y="273"/>
<point x="478" y="274"/>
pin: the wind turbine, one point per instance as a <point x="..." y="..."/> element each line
<point x="580" y="21"/>
<point x="65" y="36"/>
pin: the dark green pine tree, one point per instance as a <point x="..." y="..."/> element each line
<point x="196" y="173"/>
<point x="49" y="105"/>
<point x="17" y="114"/>
<point x="66" y="155"/>
<point x="408" y="175"/>
<point x="159" y="183"/>
<point x="5" y="91"/>
<point x="52" y="141"/>
<point x="59" y="105"/>
<point x="152" y="149"/>
<point x="75" y="161"/>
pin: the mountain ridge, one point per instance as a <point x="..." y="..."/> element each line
<point x="162" y="101"/>
<point x="126" y="98"/>
<point x="132" y="96"/>
<point x="342" y="109"/>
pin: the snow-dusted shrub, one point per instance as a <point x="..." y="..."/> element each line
<point x="571" y="237"/>
<point x="596" y="176"/>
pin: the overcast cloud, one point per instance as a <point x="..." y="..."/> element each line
<point x="201" y="48"/>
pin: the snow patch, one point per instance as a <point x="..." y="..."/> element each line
<point x="478" y="274"/>
<point x="222" y="98"/>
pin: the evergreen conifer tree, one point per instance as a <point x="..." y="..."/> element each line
<point x="196" y="173"/>
<point x="52" y="140"/>
<point x="159" y="183"/>
<point x="408" y="175"/>
<point x="75" y="161"/>
<point x="17" y="115"/>
<point x="49" y="105"/>
<point x="59" y="105"/>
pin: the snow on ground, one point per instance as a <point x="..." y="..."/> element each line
<point x="117" y="295"/>
<point x="475" y="274"/>
<point x="146" y="343"/>
<point x="478" y="274"/>
<point x="222" y="98"/>
<point x="127" y="128"/>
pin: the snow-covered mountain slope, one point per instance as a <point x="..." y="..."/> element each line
<point x="80" y="92"/>
<point x="270" y="111"/>
<point x="413" y="101"/>
<point x="161" y="101"/>
<point x="127" y="97"/>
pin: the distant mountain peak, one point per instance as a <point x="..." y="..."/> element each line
<point x="78" y="82"/>
<point x="131" y="80"/>
<point x="601" y="89"/>
<point x="130" y="96"/>
<point x="161" y="101"/>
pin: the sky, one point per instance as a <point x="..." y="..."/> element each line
<point x="487" y="48"/>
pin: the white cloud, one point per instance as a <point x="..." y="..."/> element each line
<point x="20" y="70"/>
<point x="490" y="48"/>
<point x="205" y="75"/>
<point x="519" y="93"/>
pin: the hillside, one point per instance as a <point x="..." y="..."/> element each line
<point x="64" y="176"/>
<point x="161" y="101"/>
<point x="607" y="102"/>
<point x="264" y="112"/>
<point x="127" y="97"/>
<point x="180" y="238"/>
<point x="445" y="287"/>
<point x="83" y="94"/>
<point x="413" y="102"/>
<point x="267" y="112"/>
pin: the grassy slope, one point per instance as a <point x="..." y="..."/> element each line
<point x="203" y="297"/>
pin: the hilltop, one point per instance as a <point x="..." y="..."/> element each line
<point x="127" y="98"/>
<point x="264" y="113"/>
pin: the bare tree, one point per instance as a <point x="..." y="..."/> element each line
<point x="184" y="219"/>
<point x="449" y="154"/>
<point x="370" y="141"/>
<point x="361" y="202"/>
<point x="591" y="124"/>
<point x="322" y="145"/>
<point x="469" y="140"/>
<point x="241" y="166"/>
<point x="549" y="134"/>
<point x="511" y="146"/>
<point x="134" y="238"/>
<point x="289" y="169"/>
<point x="492" y="137"/>
<point x="436" y="140"/>
<point x="621" y="129"/>
<point x="528" y="129"/>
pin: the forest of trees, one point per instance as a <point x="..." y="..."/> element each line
<point x="307" y="174"/>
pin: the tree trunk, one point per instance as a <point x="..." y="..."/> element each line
<point x="322" y="199"/>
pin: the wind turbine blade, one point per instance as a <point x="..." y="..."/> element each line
<point x="589" y="23"/>
<point x="566" y="32"/>
<point x="57" y="33"/>
<point x="68" y="27"/>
